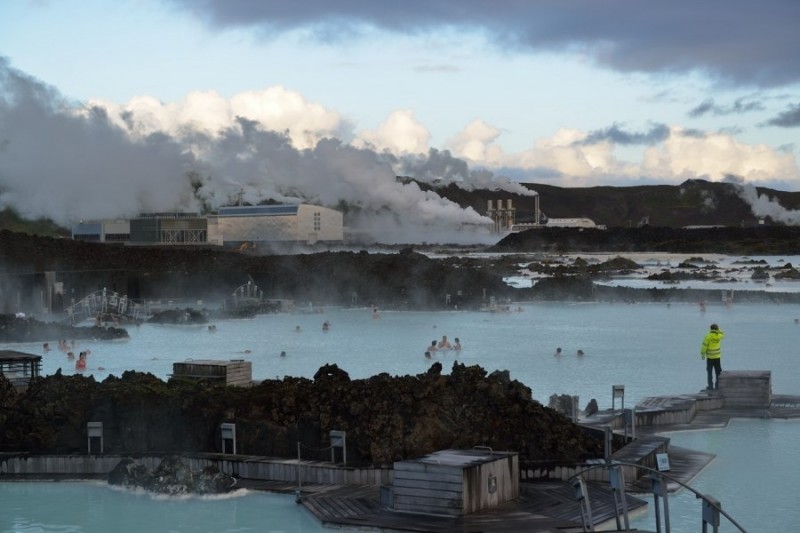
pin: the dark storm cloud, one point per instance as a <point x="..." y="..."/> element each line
<point x="740" y="105"/>
<point x="617" y="135"/>
<point x="787" y="119"/>
<point x="737" y="40"/>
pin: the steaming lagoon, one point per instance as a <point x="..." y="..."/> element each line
<point x="651" y="348"/>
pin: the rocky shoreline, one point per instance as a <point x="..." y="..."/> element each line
<point x="386" y="417"/>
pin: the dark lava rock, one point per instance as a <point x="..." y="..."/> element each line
<point x="171" y="477"/>
<point x="387" y="418"/>
<point x="15" y="329"/>
<point x="764" y="240"/>
<point x="186" y="316"/>
<point x="591" y="407"/>
<point x="129" y="473"/>
<point x="791" y="273"/>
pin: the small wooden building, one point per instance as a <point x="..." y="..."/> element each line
<point x="19" y="367"/>
<point x="233" y="372"/>
<point x="455" y="482"/>
<point x="746" y="388"/>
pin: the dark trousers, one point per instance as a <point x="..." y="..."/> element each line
<point x="715" y="366"/>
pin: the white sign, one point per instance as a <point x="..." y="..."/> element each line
<point x="662" y="460"/>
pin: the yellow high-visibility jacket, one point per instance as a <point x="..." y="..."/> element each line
<point x="711" y="347"/>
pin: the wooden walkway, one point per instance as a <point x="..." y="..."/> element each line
<point x="541" y="507"/>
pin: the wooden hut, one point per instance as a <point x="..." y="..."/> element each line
<point x="233" y="372"/>
<point x="455" y="482"/>
<point x="19" y="367"/>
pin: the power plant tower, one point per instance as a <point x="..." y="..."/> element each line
<point x="503" y="217"/>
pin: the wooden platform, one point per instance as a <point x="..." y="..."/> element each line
<point x="749" y="389"/>
<point x="541" y="507"/>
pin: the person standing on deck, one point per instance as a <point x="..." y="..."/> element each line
<point x="711" y="351"/>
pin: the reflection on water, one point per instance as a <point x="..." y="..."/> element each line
<point x="653" y="349"/>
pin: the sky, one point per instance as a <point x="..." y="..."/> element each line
<point x="112" y="108"/>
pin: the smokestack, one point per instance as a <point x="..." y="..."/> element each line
<point x="489" y="206"/>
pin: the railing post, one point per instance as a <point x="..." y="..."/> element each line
<point x="582" y="496"/>
<point x="617" y="480"/>
<point x="659" y="489"/>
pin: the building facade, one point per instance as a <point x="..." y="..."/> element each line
<point x="241" y="226"/>
<point x="303" y="223"/>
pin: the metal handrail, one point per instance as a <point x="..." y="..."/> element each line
<point x="707" y="499"/>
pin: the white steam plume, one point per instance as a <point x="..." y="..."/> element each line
<point x="763" y="206"/>
<point x="67" y="163"/>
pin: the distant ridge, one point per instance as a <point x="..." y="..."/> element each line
<point x="692" y="203"/>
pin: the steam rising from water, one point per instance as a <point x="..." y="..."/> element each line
<point x="69" y="162"/>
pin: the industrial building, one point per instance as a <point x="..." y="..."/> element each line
<point x="301" y="223"/>
<point x="231" y="226"/>
<point x="504" y="215"/>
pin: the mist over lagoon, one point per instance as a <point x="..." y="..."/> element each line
<point x="653" y="349"/>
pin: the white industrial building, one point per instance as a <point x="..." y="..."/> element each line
<point x="241" y="227"/>
<point x="250" y="225"/>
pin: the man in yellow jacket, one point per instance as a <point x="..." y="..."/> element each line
<point x="711" y="351"/>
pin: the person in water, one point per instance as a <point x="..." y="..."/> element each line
<point x="80" y="364"/>
<point x="558" y="351"/>
<point x="432" y="348"/>
<point x="444" y="344"/>
<point x="457" y="344"/>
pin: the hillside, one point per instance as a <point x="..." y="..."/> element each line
<point x="692" y="203"/>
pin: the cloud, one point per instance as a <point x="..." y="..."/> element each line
<point x="399" y="133"/>
<point x="616" y="135"/>
<point x="716" y="156"/>
<point x="739" y="106"/>
<point x="787" y="119"/>
<point x="277" y="108"/>
<point x="735" y="40"/>
<point x="669" y="155"/>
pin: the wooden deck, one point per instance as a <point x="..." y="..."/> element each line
<point x="541" y="507"/>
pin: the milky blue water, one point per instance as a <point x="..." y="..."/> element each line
<point x="652" y="349"/>
<point x="70" y="507"/>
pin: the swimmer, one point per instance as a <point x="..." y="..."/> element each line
<point x="428" y="354"/>
<point x="297" y="329"/>
<point x="283" y="354"/>
<point x="579" y="352"/>
<point x="212" y="328"/>
<point x="444" y="344"/>
<point x="46" y="347"/>
<point x="558" y="351"/>
<point x="71" y="355"/>
<point x="432" y="348"/>
<point x="326" y="326"/>
<point x="457" y="345"/>
<point x="80" y="364"/>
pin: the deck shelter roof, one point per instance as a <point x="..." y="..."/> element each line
<point x="19" y="367"/>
